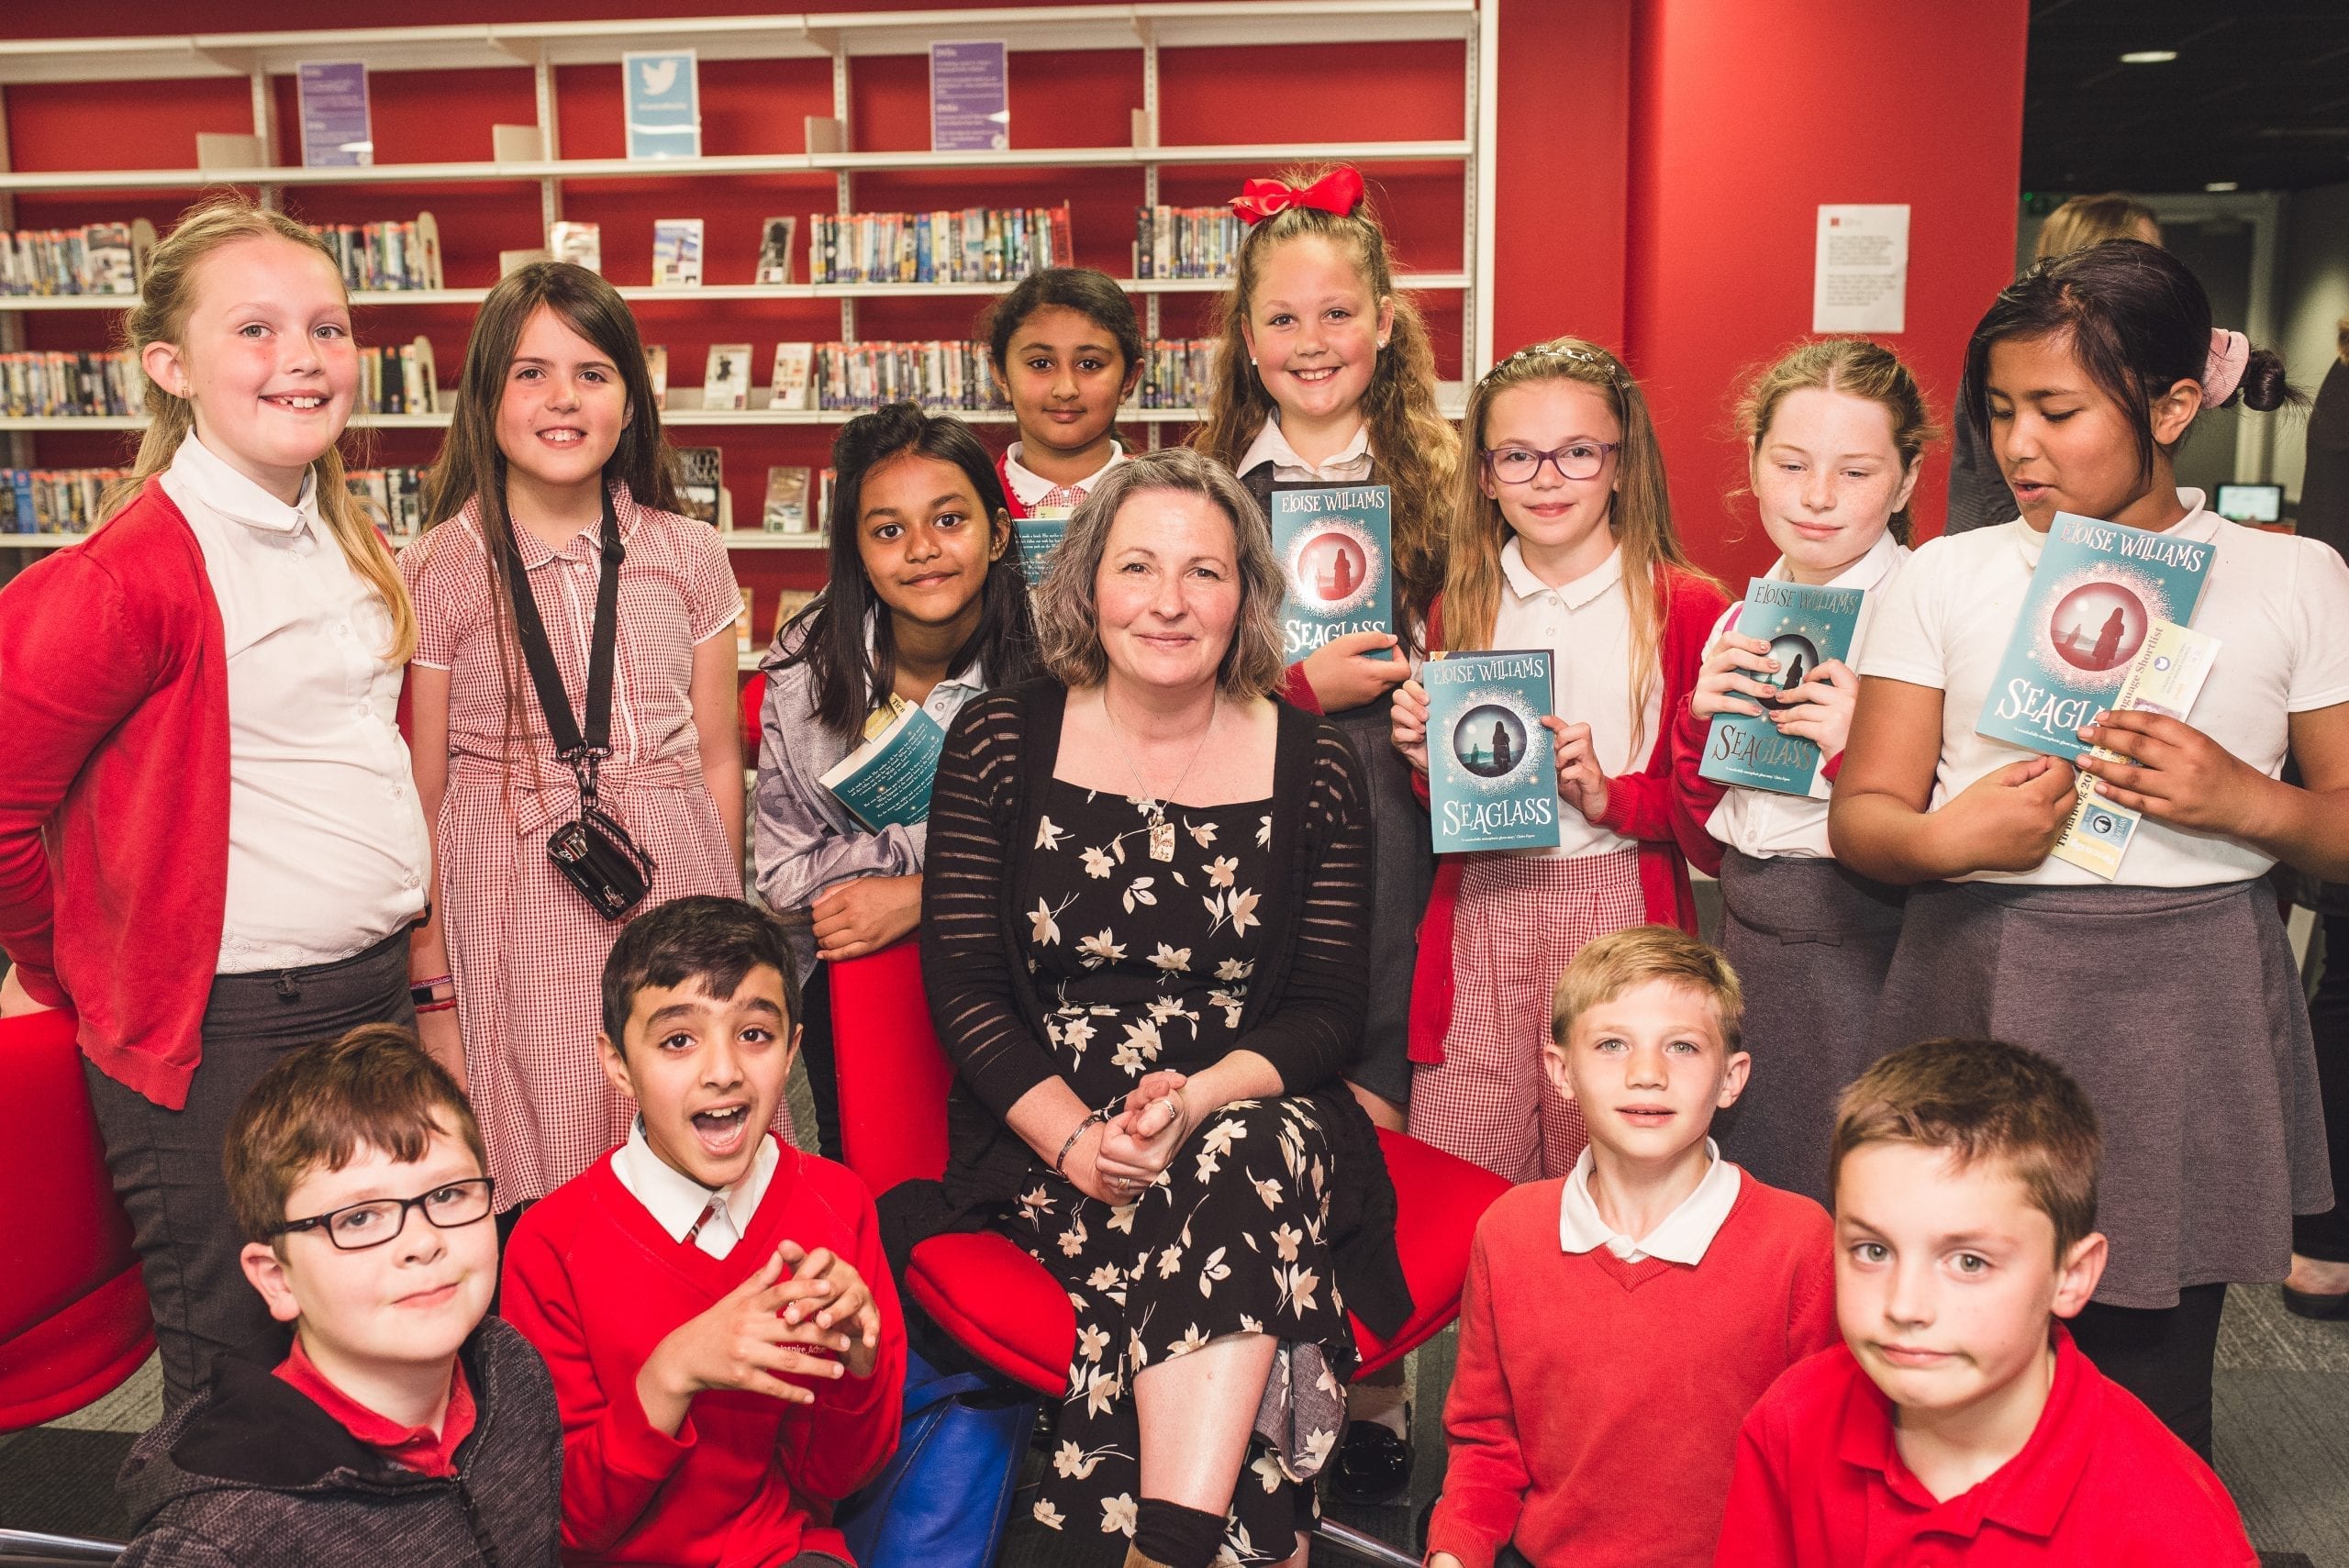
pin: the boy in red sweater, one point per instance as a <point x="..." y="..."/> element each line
<point x="721" y="1326"/>
<point x="1618" y="1322"/>
<point x="1957" y="1420"/>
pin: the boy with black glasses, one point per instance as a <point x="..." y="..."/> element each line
<point x="402" y="1416"/>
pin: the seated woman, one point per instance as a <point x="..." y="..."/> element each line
<point x="1143" y="937"/>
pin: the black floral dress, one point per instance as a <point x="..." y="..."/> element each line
<point x="1144" y="964"/>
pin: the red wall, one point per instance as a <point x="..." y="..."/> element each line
<point x="1659" y="161"/>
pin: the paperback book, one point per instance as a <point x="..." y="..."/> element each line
<point x="677" y="252"/>
<point x="775" y="237"/>
<point x="1492" y="772"/>
<point x="2094" y="598"/>
<point x="886" y="780"/>
<point x="1039" y="538"/>
<point x="726" y="381"/>
<point x="663" y="104"/>
<point x="742" y="630"/>
<point x="1335" y="549"/>
<point x="701" y="483"/>
<point x="580" y="243"/>
<point x="2165" y="678"/>
<point x="795" y="365"/>
<point x="787" y="507"/>
<point x="1805" y="628"/>
<point x="656" y="367"/>
<point x="789" y="602"/>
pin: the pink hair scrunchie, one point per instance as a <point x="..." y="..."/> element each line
<point x="2222" y="372"/>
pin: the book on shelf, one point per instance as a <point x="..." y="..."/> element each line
<point x="726" y="379"/>
<point x="973" y="245"/>
<point x="1492" y="769"/>
<point x="941" y="374"/>
<point x="701" y="484"/>
<point x="1186" y="242"/>
<point x="2094" y="596"/>
<point x="395" y="495"/>
<point x="794" y="365"/>
<point x="55" y="384"/>
<point x="397" y="378"/>
<point x="663" y="104"/>
<point x="1335" y="545"/>
<point x="886" y="780"/>
<point x="656" y="368"/>
<point x="790" y="602"/>
<point x="1805" y="628"/>
<point x="331" y="97"/>
<point x="1177" y="372"/>
<point x="96" y="258"/>
<point x="2165" y="677"/>
<point x="776" y="238"/>
<point x="53" y="500"/>
<point x="786" y="508"/>
<point x="742" y="628"/>
<point x="395" y="254"/>
<point x="824" y="478"/>
<point x="580" y="243"/>
<point x="677" y="252"/>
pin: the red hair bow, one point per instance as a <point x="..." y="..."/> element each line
<point x="1337" y="192"/>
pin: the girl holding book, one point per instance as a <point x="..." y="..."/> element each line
<point x="199" y="702"/>
<point x="1324" y="376"/>
<point x="1835" y="431"/>
<point x="2086" y="376"/>
<point x="554" y="490"/>
<point x="927" y="606"/>
<point x="1562" y="539"/>
<point x="1066" y="350"/>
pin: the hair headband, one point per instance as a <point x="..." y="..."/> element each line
<point x="2222" y="372"/>
<point x="1338" y="192"/>
<point x="1609" y="367"/>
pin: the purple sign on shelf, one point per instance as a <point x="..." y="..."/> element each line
<point x="970" y="98"/>
<point x="333" y="96"/>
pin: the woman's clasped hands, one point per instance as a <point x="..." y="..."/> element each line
<point x="1135" y="1146"/>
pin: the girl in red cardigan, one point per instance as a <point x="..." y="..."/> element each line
<point x="1562" y="537"/>
<point x="210" y="848"/>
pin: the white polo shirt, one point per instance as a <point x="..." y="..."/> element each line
<point x="1350" y="464"/>
<point x="1682" y="1238"/>
<point x="676" y="1201"/>
<point x="1762" y="823"/>
<point x="2279" y="605"/>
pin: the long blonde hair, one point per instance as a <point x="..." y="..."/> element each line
<point x="1639" y="512"/>
<point x="167" y="294"/>
<point x="1416" y="449"/>
<point x="1856" y="367"/>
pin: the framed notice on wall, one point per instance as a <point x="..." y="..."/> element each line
<point x="1861" y="281"/>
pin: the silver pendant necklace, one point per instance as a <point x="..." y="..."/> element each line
<point x="1162" y="831"/>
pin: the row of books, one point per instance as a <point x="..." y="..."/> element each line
<point x="977" y="245"/>
<point x="97" y="258"/>
<point x="395" y="495"/>
<point x="1186" y="242"/>
<point x="397" y="378"/>
<point x="388" y="256"/>
<point x="1177" y="373"/>
<point x="52" y="500"/>
<point x="54" y="384"/>
<point x="937" y="374"/>
<point x="797" y="499"/>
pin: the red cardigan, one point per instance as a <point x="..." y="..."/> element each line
<point x="1638" y="806"/>
<point x="592" y="1281"/>
<point x="113" y="805"/>
<point x="1547" y="1441"/>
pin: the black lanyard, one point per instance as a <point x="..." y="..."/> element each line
<point x="582" y="752"/>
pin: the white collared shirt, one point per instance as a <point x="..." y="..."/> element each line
<point x="1587" y="625"/>
<point x="947" y="697"/>
<point x="1036" y="493"/>
<point x="1764" y="823"/>
<point x="1683" y="1237"/>
<point x="328" y="850"/>
<point x="676" y="1200"/>
<point x="2277" y="603"/>
<point x="1349" y="466"/>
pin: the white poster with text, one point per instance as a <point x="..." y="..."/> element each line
<point x="1861" y="283"/>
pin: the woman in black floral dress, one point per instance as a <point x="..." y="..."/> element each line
<point x="1143" y="936"/>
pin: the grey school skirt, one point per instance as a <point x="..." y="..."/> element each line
<point x="1810" y="940"/>
<point x="2179" y="1011"/>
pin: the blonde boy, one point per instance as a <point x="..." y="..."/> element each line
<point x="1620" y="1322"/>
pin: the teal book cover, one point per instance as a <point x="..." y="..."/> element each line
<point x="2098" y="589"/>
<point x="1038" y="537"/>
<point x="887" y="780"/>
<point x="1334" y="544"/>
<point x="1805" y="628"/>
<point x="1492" y="769"/>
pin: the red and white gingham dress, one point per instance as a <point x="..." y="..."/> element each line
<point x="526" y="950"/>
<point x="1520" y="921"/>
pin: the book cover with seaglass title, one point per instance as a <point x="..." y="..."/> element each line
<point x="1805" y="628"/>
<point x="1492" y="769"/>
<point x="2097" y="591"/>
<point x="1334" y="544"/>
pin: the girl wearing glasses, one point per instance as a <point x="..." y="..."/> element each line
<point x="1834" y="433"/>
<point x="1562" y="539"/>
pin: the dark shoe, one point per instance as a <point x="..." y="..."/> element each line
<point x="2299" y="1303"/>
<point x="1373" y="1466"/>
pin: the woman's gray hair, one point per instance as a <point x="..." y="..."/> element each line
<point x="1068" y="627"/>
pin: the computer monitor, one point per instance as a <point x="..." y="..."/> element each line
<point x="2251" y="502"/>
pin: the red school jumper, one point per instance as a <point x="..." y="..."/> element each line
<point x="1638" y="806"/>
<point x="114" y="803"/>
<point x="1819" y="1481"/>
<point x="595" y="1283"/>
<point x="1585" y="1380"/>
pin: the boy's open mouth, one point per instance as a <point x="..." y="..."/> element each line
<point x="721" y="1127"/>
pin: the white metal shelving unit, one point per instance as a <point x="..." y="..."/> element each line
<point x="839" y="38"/>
